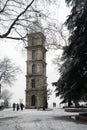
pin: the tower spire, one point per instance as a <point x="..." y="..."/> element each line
<point x="36" y="25"/>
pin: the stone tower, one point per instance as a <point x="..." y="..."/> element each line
<point x="36" y="80"/>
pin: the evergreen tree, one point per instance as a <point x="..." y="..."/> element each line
<point x="72" y="85"/>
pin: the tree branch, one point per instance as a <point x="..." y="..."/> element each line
<point x="2" y="10"/>
<point x="14" y="22"/>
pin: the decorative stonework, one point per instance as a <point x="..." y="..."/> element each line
<point x="36" y="80"/>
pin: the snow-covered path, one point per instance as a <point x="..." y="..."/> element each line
<point x="38" y="120"/>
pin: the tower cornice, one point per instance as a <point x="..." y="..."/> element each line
<point x="36" y="35"/>
<point x="34" y="61"/>
<point x="35" y="47"/>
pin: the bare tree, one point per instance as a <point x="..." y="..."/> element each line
<point x="8" y="72"/>
<point x="12" y="17"/>
<point x="6" y="96"/>
<point x="18" y="17"/>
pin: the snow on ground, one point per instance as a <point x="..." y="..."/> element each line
<point x="32" y="119"/>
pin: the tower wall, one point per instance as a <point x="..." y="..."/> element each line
<point x="36" y="80"/>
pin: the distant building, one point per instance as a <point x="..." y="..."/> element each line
<point x="36" y="80"/>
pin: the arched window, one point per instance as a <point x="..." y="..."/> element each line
<point x="33" y="68"/>
<point x="33" y="100"/>
<point x="33" y="83"/>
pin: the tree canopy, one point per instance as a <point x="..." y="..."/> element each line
<point x="12" y="14"/>
<point x="72" y="84"/>
<point x="8" y="71"/>
<point x="17" y="19"/>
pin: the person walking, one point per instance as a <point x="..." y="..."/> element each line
<point x="17" y="106"/>
<point x="21" y="106"/>
<point x="14" y="106"/>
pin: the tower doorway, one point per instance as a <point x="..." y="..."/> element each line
<point x="33" y="100"/>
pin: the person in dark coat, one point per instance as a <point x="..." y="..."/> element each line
<point x="21" y="106"/>
<point x="17" y="106"/>
<point x="14" y="105"/>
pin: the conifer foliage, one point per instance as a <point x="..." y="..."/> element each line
<point x="72" y="85"/>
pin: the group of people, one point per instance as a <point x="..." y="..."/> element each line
<point x="18" y="106"/>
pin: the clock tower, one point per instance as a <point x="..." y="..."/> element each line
<point x="36" y="80"/>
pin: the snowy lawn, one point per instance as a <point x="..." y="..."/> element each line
<point x="56" y="119"/>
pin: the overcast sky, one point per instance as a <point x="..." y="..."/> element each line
<point x="9" y="49"/>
